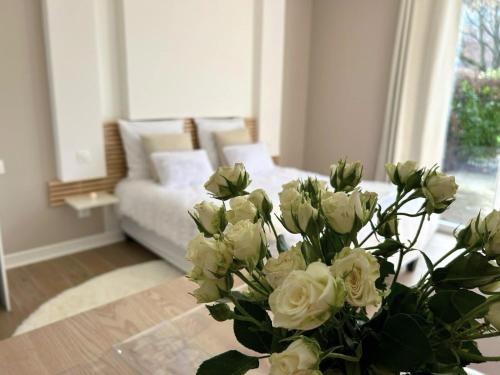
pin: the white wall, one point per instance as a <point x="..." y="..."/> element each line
<point x="73" y="65"/>
<point x="295" y="81"/>
<point x="271" y="73"/>
<point x="108" y="22"/>
<point x="351" y="50"/>
<point x="188" y="58"/>
<point x="26" y="140"/>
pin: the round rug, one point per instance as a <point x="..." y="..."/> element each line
<point x="98" y="291"/>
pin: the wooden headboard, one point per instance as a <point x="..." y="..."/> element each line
<point x="116" y="164"/>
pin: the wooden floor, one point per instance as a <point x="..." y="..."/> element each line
<point x="32" y="285"/>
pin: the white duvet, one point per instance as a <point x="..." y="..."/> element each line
<point x="164" y="210"/>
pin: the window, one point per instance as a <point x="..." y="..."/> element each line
<point x="473" y="137"/>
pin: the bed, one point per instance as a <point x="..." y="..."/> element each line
<point x="157" y="217"/>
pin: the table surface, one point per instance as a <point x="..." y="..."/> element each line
<point x="72" y="345"/>
<point x="84" y="343"/>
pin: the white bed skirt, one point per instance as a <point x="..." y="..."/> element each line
<point x="175" y="255"/>
<point x="161" y="246"/>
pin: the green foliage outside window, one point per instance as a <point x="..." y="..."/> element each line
<point x="475" y="122"/>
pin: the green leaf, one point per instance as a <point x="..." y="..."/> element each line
<point x="470" y="353"/>
<point x="387" y="248"/>
<point x="446" y="356"/>
<point x="386" y="269"/>
<point x="428" y="262"/>
<point x="403" y="345"/>
<point x="228" y="363"/>
<point x="402" y="299"/>
<point x="220" y="312"/>
<point x="309" y="252"/>
<point x="352" y="368"/>
<point x="470" y="271"/>
<point x="450" y="305"/>
<point x="248" y="334"/>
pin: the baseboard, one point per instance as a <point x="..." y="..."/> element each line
<point x="42" y="253"/>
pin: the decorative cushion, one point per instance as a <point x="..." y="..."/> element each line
<point x="131" y="132"/>
<point x="207" y="126"/>
<point x="255" y="157"/>
<point x="182" y="168"/>
<point x="230" y="138"/>
<point x="165" y="142"/>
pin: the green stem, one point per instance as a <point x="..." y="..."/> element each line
<point x="477" y="357"/>
<point x="345" y="357"/>
<point x="249" y="283"/>
<point x="256" y="278"/>
<point x="398" y="203"/>
<point x="482" y="336"/>
<point x="402" y="252"/>
<point x="473" y="329"/>
<point x="410" y="215"/>
<point x="438" y="262"/>
<point x="471" y="314"/>
<point x="271" y="225"/>
<point x="247" y="316"/>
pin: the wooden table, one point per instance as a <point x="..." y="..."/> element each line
<point x="83" y="344"/>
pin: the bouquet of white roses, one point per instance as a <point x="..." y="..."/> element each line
<point x="306" y="304"/>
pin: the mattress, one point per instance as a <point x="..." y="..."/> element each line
<point x="163" y="210"/>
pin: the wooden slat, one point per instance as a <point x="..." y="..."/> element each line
<point x="116" y="164"/>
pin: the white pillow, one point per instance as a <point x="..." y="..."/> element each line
<point x="131" y="132"/>
<point x="182" y="168"/>
<point x="255" y="156"/>
<point x="206" y="128"/>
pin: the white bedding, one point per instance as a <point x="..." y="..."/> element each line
<point x="163" y="210"/>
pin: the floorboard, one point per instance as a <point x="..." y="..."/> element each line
<point x="34" y="284"/>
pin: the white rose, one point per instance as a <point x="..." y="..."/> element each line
<point x="406" y="169"/>
<point x="260" y="200"/>
<point x="493" y="315"/>
<point x="212" y="256"/>
<point x="209" y="289"/>
<point x="345" y="176"/>
<point x="364" y="204"/>
<point x="227" y="182"/>
<point x="492" y="228"/>
<point x="307" y="299"/>
<point x="400" y="172"/>
<point x="359" y="270"/>
<point x="390" y="169"/>
<point x="241" y="209"/>
<point x="339" y="210"/>
<point x="494" y="287"/>
<point x="476" y="231"/>
<point x="296" y="210"/>
<point x="314" y="186"/>
<point x="210" y="217"/>
<point x="289" y="201"/>
<point x="277" y="269"/>
<point x="293" y="184"/>
<point x="304" y="213"/>
<point x="246" y="239"/>
<point x="439" y="189"/>
<point x="301" y="357"/>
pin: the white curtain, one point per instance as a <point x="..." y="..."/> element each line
<point x="421" y="82"/>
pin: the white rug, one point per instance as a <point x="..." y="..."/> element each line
<point x="98" y="291"/>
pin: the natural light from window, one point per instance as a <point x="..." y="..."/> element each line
<point x="473" y="138"/>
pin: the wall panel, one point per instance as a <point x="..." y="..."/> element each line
<point x="72" y="56"/>
<point x="188" y="58"/>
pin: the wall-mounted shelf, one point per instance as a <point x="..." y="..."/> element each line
<point x="83" y="203"/>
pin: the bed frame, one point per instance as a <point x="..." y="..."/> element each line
<point x="116" y="164"/>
